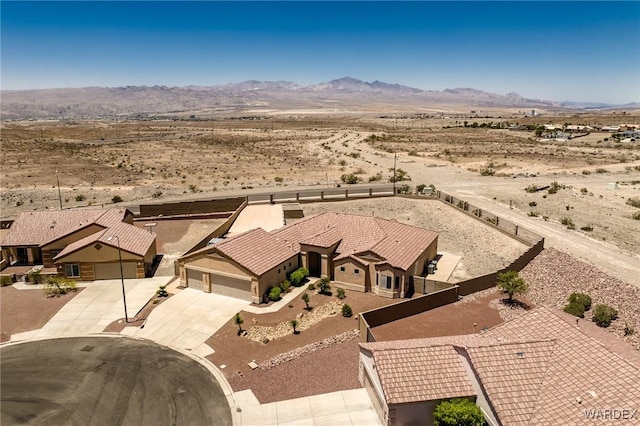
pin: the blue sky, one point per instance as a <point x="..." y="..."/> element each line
<point x="583" y="51"/>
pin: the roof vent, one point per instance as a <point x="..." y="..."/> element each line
<point x="520" y="355"/>
<point x="593" y="394"/>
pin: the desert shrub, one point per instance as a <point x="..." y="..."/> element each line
<point x="413" y="153"/>
<point x="354" y="154"/>
<point x="311" y="287"/>
<point x="555" y="186"/>
<point x="375" y="178"/>
<point x="57" y="286"/>
<point x="349" y="178"/>
<point x="586" y="172"/>
<point x="404" y="189"/>
<point x="512" y="283"/>
<point x="278" y="179"/>
<point x="346" y="311"/>
<point x="487" y="172"/>
<point x="156" y="194"/>
<point x="400" y="175"/>
<point x="582" y="299"/>
<point x="5" y="280"/>
<point x="298" y="276"/>
<point x="532" y="214"/>
<point x="294" y="324"/>
<point x="601" y="170"/>
<point x="342" y="162"/>
<point x="341" y="294"/>
<point x="584" y="190"/>
<point x="34" y="277"/>
<point x="116" y="199"/>
<point x="532" y="204"/>
<point x="162" y="291"/>
<point x="531" y="188"/>
<point x="603" y="315"/>
<point x="284" y="285"/>
<point x="457" y="412"/>
<point x="587" y="228"/>
<point x="628" y="330"/>
<point x="274" y="294"/>
<point x="80" y="197"/>
<point x="574" y="309"/>
<point x="635" y="202"/>
<point x="568" y="223"/>
<point x="420" y="188"/>
<point x="636" y="215"/>
<point x="323" y="286"/>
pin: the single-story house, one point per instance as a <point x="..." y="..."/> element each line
<point x="537" y="369"/>
<point x="360" y="253"/>
<point x="81" y="244"/>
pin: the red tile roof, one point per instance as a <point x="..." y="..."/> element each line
<point x="39" y="228"/>
<point x="257" y="250"/>
<point x="399" y="244"/>
<point x="538" y="370"/>
<point x="421" y="374"/>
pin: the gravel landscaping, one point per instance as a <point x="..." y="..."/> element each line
<point x="26" y="310"/>
<point x="482" y="248"/>
<point x="553" y="275"/>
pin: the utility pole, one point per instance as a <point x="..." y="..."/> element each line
<point x="395" y="156"/>
<point x="59" y="195"/>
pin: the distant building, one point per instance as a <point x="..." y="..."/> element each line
<point x="610" y="128"/>
<point x="578" y="128"/>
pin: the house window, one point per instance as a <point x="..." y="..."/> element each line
<point x="289" y="264"/>
<point x="278" y="270"/>
<point x="342" y="269"/>
<point x="397" y="283"/>
<point x="356" y="271"/>
<point x="72" y="271"/>
<point x="389" y="280"/>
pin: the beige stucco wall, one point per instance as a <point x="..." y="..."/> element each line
<point x="105" y="254"/>
<point x="273" y="278"/>
<point x="349" y="276"/>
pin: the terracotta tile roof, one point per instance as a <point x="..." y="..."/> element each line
<point x="513" y="375"/>
<point x="257" y="250"/>
<point x="399" y="244"/>
<point x="560" y="373"/>
<point x="38" y="228"/>
<point x="577" y="366"/>
<point x="421" y="374"/>
<point x="132" y="239"/>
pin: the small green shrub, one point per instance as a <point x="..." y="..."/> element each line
<point x="324" y="287"/>
<point x="636" y="215"/>
<point x="5" y="280"/>
<point x="582" y="299"/>
<point x="162" y="291"/>
<point x="349" y="178"/>
<point x="278" y="179"/>
<point x="57" y="286"/>
<point x="346" y="311"/>
<point x="487" y="172"/>
<point x="311" y="287"/>
<point x="284" y="285"/>
<point x="584" y="190"/>
<point x="457" y="412"/>
<point x="80" y="197"/>
<point x="601" y="170"/>
<point x="574" y="309"/>
<point x="635" y="202"/>
<point x="274" y="294"/>
<point x="603" y="315"/>
<point x="568" y="223"/>
<point x="531" y="188"/>
<point x="532" y="204"/>
<point x="34" y="277"/>
<point x="298" y="276"/>
<point x="341" y="294"/>
<point x="116" y="199"/>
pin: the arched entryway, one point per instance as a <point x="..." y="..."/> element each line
<point x="315" y="264"/>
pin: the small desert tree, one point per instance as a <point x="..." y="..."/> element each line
<point x="305" y="299"/>
<point x="324" y="287"/>
<point x="457" y="412"/>
<point x="512" y="284"/>
<point x="294" y="324"/>
<point x="238" y="320"/>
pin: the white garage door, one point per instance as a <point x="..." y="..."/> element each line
<point x="225" y="285"/>
<point x="194" y="279"/>
<point x="111" y="271"/>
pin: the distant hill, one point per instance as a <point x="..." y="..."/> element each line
<point x="248" y="96"/>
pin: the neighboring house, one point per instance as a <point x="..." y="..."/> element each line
<point x="79" y="243"/>
<point x="359" y="253"/>
<point x="538" y="369"/>
<point x="578" y="128"/>
<point x="558" y="135"/>
<point x="610" y="128"/>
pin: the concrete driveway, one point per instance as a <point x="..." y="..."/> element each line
<point x="97" y="306"/>
<point x="187" y="319"/>
<point x="265" y="216"/>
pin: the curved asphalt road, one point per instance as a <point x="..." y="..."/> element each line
<point x="106" y="381"/>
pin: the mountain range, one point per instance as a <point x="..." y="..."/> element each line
<point x="253" y="97"/>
